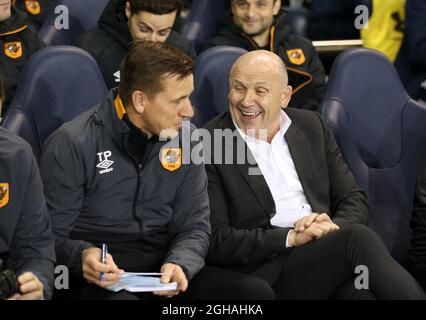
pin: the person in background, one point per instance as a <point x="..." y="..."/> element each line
<point x="37" y="10"/>
<point x="125" y="21"/>
<point x="254" y="25"/>
<point x="19" y="42"/>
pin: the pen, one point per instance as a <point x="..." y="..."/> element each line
<point x="103" y="257"/>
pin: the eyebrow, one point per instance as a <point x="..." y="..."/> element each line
<point x="181" y="98"/>
<point x="264" y="84"/>
<point x="143" y="24"/>
<point x="239" y="82"/>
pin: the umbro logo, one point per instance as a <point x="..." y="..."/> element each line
<point x="104" y="163"/>
<point x="117" y="76"/>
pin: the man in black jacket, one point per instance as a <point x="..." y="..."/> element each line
<point x="125" y="21"/>
<point x="418" y="225"/>
<point x="284" y="205"/>
<point x="19" y="43"/>
<point x="26" y="242"/>
<point x="111" y="176"/>
<point x="252" y="26"/>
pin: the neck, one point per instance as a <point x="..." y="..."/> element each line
<point x="262" y="40"/>
<point x="272" y="133"/>
<point x="138" y="121"/>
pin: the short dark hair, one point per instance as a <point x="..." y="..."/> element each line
<point x="235" y="0"/>
<point x="158" y="7"/>
<point x="147" y="63"/>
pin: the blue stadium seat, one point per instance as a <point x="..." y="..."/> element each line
<point x="203" y="21"/>
<point x="381" y="132"/>
<point x="57" y="84"/>
<point x="211" y="74"/>
<point x="297" y="19"/>
<point x="83" y="16"/>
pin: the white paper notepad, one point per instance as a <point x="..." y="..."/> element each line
<point x="141" y="282"/>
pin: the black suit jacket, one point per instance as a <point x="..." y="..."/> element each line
<point x="242" y="204"/>
<point x="418" y="225"/>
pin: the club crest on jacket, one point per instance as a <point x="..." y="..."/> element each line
<point x="4" y="194"/>
<point x="13" y="49"/>
<point x="171" y="158"/>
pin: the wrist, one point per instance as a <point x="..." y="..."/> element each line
<point x="291" y="238"/>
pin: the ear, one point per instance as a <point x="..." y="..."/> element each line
<point x="127" y="10"/>
<point x="277" y="7"/>
<point x="139" y="100"/>
<point x="286" y="96"/>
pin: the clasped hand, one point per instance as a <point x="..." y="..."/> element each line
<point x="312" y="227"/>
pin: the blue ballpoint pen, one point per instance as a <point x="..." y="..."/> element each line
<point x="103" y="257"/>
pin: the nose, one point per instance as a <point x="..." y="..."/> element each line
<point x="187" y="110"/>
<point x="250" y="11"/>
<point x="153" y="37"/>
<point x="248" y="99"/>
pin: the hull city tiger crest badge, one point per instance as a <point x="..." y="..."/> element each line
<point x="171" y="158"/>
<point x="4" y="194"/>
<point x="13" y="49"/>
<point x="33" y="7"/>
<point x="296" y="56"/>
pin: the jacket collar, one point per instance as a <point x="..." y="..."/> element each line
<point x="301" y="154"/>
<point x="15" y="24"/>
<point x="256" y="182"/>
<point x="110" y="114"/>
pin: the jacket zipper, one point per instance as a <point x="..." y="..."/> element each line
<point x="135" y="199"/>
<point x="271" y="39"/>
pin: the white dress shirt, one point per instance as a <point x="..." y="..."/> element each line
<point x="277" y="167"/>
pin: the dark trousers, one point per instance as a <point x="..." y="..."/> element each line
<point x="321" y="269"/>
<point x="325" y="269"/>
<point x="419" y="272"/>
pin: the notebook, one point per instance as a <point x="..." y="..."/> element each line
<point x="142" y="282"/>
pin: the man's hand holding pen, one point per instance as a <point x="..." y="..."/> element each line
<point x="92" y="268"/>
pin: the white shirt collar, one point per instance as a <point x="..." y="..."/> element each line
<point x="285" y="123"/>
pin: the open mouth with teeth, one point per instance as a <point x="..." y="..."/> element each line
<point x="250" y="115"/>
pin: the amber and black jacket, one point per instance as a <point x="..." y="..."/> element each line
<point x="26" y="241"/>
<point x="99" y="188"/>
<point x="19" y="42"/>
<point x="37" y="10"/>
<point x="305" y="70"/>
